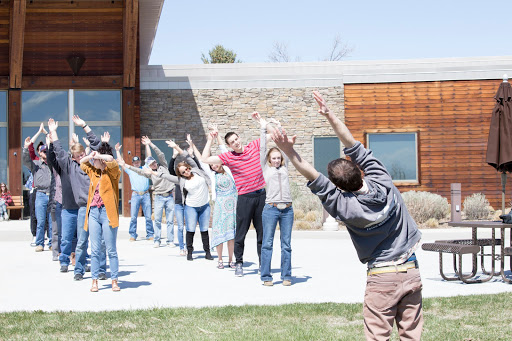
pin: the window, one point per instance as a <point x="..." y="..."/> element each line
<point x="325" y="149"/>
<point x="100" y="109"/>
<point x="163" y="147"/>
<point x="3" y="136"/>
<point x="398" y="152"/>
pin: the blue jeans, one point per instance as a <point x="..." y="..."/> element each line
<point x="68" y="240"/>
<point x="197" y="214"/>
<point x="41" y="215"/>
<point x="57" y="230"/>
<point x="136" y="201"/>
<point x="3" y="208"/>
<point x="180" y="218"/>
<point x="166" y="203"/>
<point x="271" y="216"/>
<point x="99" y="228"/>
<point x="83" y="243"/>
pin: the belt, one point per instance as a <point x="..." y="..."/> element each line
<point x="141" y="193"/>
<point x="165" y="195"/>
<point x="393" y="268"/>
<point x="281" y="206"/>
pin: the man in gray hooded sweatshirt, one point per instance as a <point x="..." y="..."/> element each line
<point x="382" y="231"/>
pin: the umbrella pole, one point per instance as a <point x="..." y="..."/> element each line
<point x="503" y="185"/>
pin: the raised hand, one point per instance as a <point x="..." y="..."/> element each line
<point x="281" y="139"/>
<point x="275" y="122"/>
<point x="105" y="137"/>
<point x="148" y="171"/>
<point x="189" y="140"/>
<point x="42" y="130"/>
<point x="52" y="125"/>
<point x="78" y="121"/>
<point x="324" y="110"/>
<point x="27" y="143"/>
<point x="212" y="127"/>
<point x="171" y="144"/>
<point x="86" y="141"/>
<point x="48" y="140"/>
<point x="145" y="140"/>
<point x="256" y="116"/>
<point x="74" y="138"/>
<point x="118" y="146"/>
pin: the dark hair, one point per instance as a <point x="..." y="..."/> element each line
<point x="39" y="145"/>
<point x="105" y="148"/>
<point x="182" y="163"/>
<point x="345" y="174"/>
<point x="228" y="135"/>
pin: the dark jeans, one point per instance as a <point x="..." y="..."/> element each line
<point x="249" y="208"/>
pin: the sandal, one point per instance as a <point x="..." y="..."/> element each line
<point x="183" y="252"/>
<point x="232" y="265"/>
<point x="220" y="265"/>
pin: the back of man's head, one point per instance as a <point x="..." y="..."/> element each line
<point x="345" y="174"/>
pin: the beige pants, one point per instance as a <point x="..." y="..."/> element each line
<point x="393" y="297"/>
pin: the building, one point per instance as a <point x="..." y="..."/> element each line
<point x="427" y="119"/>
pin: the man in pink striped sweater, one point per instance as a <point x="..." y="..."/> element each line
<point x="244" y="163"/>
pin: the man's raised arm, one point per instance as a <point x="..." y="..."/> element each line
<point x="339" y="127"/>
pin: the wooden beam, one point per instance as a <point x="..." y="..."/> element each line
<point x="4" y="82"/>
<point x="14" y="123"/>
<point x="130" y="29"/>
<point x="72" y="82"/>
<point x="128" y="143"/>
<point x="16" y="36"/>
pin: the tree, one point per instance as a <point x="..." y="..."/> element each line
<point x="339" y="50"/>
<point x="219" y="54"/>
<point x="279" y="53"/>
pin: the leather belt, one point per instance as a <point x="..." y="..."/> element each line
<point x="393" y="268"/>
<point x="281" y="206"/>
<point x="141" y="193"/>
<point x="165" y="195"/>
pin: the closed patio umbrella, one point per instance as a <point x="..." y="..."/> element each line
<point x="499" y="145"/>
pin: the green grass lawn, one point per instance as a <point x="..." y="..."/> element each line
<point x="479" y="317"/>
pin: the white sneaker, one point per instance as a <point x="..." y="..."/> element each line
<point x="156" y="245"/>
<point x="33" y="242"/>
<point x="6" y="216"/>
<point x="1" y="218"/>
<point x="171" y="245"/>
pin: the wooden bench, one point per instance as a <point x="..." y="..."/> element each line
<point x="455" y="249"/>
<point x="18" y="204"/>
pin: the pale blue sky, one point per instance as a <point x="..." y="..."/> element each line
<point x="375" y="29"/>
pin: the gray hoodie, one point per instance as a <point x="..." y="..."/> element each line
<point x="378" y="221"/>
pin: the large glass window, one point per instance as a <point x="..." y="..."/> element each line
<point x="398" y="152"/>
<point x="325" y="149"/>
<point x="100" y="109"/>
<point x="3" y="136"/>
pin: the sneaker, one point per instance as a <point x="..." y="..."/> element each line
<point x="208" y="255"/>
<point x="6" y="216"/>
<point x="64" y="268"/>
<point x="49" y="248"/>
<point x="183" y="252"/>
<point x="102" y="276"/>
<point x="87" y="268"/>
<point x="150" y="238"/>
<point x="132" y="239"/>
<point x="39" y="248"/>
<point x="239" y="271"/>
<point x="268" y="283"/>
<point x="171" y="245"/>
<point x="156" y="245"/>
<point x="55" y="258"/>
<point x="1" y="218"/>
<point x="78" y="277"/>
<point x="287" y="282"/>
<point x="33" y="242"/>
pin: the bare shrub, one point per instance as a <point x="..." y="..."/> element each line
<point x="425" y="205"/>
<point x="432" y="223"/>
<point x="311" y="216"/>
<point x="303" y="225"/>
<point x="476" y="206"/>
<point x="298" y="214"/>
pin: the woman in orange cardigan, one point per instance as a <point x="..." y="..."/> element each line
<point x="102" y="209"/>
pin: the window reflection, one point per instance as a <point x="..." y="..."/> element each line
<point x="39" y="106"/>
<point x="98" y="105"/>
<point x="397" y="152"/>
<point x="115" y="134"/>
<point x="326" y="149"/>
<point x="3" y="106"/>
<point x="3" y="154"/>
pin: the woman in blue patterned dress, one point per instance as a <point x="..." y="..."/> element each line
<point x="225" y="196"/>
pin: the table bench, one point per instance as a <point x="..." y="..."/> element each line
<point x="457" y="249"/>
<point x="18" y="204"/>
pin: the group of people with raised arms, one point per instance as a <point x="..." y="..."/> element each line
<point x="249" y="184"/>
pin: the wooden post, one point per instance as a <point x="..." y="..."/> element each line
<point x="130" y="29"/>
<point x="128" y="143"/>
<point x="16" y="41"/>
<point x="15" y="152"/>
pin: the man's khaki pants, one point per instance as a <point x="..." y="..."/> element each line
<point x="393" y="297"/>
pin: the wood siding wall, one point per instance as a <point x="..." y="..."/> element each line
<point x="452" y="119"/>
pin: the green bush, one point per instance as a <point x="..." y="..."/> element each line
<point x="425" y="205"/>
<point x="476" y="206"/>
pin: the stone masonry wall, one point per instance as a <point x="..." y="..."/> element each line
<point x="175" y="113"/>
